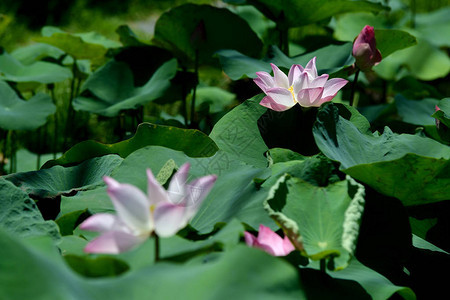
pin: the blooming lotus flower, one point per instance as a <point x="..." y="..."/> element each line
<point x="269" y="241"/>
<point x="139" y="215"/>
<point x="302" y="86"/>
<point x="364" y="49"/>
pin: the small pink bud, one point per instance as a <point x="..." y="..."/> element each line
<point x="438" y="123"/>
<point x="269" y="241"/>
<point x="364" y="49"/>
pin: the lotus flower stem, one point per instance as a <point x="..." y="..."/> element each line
<point x="184" y="96"/>
<point x="284" y="34"/>
<point x="13" y="157"/>
<point x="5" y="139"/>
<point x="156" y="247"/>
<point x="355" y="80"/>
<point x="51" y="87"/>
<point x="39" y="147"/>
<point x="195" y="89"/>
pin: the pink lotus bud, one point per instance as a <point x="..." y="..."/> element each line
<point x="364" y="49"/>
<point x="438" y="123"/>
<point x="269" y="241"/>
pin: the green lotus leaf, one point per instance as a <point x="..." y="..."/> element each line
<point x="295" y="13"/>
<point x="29" y="54"/>
<point x="189" y="28"/>
<point x="18" y="114"/>
<point x="40" y="71"/>
<point x="58" y="180"/>
<point x="192" y="142"/>
<point x="20" y="216"/>
<point x="237" y="133"/>
<point x="322" y="222"/>
<point x="90" y="45"/>
<point x="113" y="89"/>
<point x="39" y="265"/>
<point x="330" y="59"/>
<point x="413" y="168"/>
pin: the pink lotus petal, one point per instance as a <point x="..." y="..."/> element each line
<point x="294" y="73"/>
<point x="197" y="190"/>
<point x="99" y="222"/>
<point x="177" y="188"/>
<point x="333" y="86"/>
<point x="364" y="49"/>
<point x="310" y="96"/>
<point x="281" y="96"/>
<point x="169" y="219"/>
<point x="311" y="67"/>
<point x="113" y="242"/>
<point x="281" y="80"/>
<point x="288" y="247"/>
<point x="156" y="193"/>
<point x="131" y="204"/>
<point x="250" y="239"/>
<point x="270" y="103"/>
<point x="259" y="82"/>
<point x="269" y="241"/>
<point x="266" y="79"/>
<point x="301" y="82"/>
<point x="319" y="81"/>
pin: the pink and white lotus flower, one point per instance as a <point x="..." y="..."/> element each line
<point x="139" y="215"/>
<point x="302" y="86"/>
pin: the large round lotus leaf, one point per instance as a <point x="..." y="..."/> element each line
<point x="18" y="114"/>
<point x="35" y="52"/>
<point x="192" y="142"/>
<point x="330" y="59"/>
<point x="322" y="222"/>
<point x="434" y="62"/>
<point x="42" y="72"/>
<point x="88" y="45"/>
<point x="237" y="133"/>
<point x="189" y="28"/>
<point x="435" y="26"/>
<point x="250" y="272"/>
<point x="418" y="112"/>
<point x="58" y="180"/>
<point x="20" y="216"/>
<point x="113" y="89"/>
<point x="412" y="168"/>
<point x="294" y="13"/>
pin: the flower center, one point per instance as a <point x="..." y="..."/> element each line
<point x="291" y="89"/>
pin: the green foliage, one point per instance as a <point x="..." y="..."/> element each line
<point x="146" y="134"/>
<point x="110" y="102"/>
<point x="20" y="216"/>
<point x="322" y="222"/>
<point x="293" y="13"/>
<point x="41" y="72"/>
<point x="330" y="59"/>
<point x="198" y="30"/>
<point x="408" y="167"/>
<point x="18" y="114"/>
<point x="58" y="180"/>
<point x="360" y="191"/>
